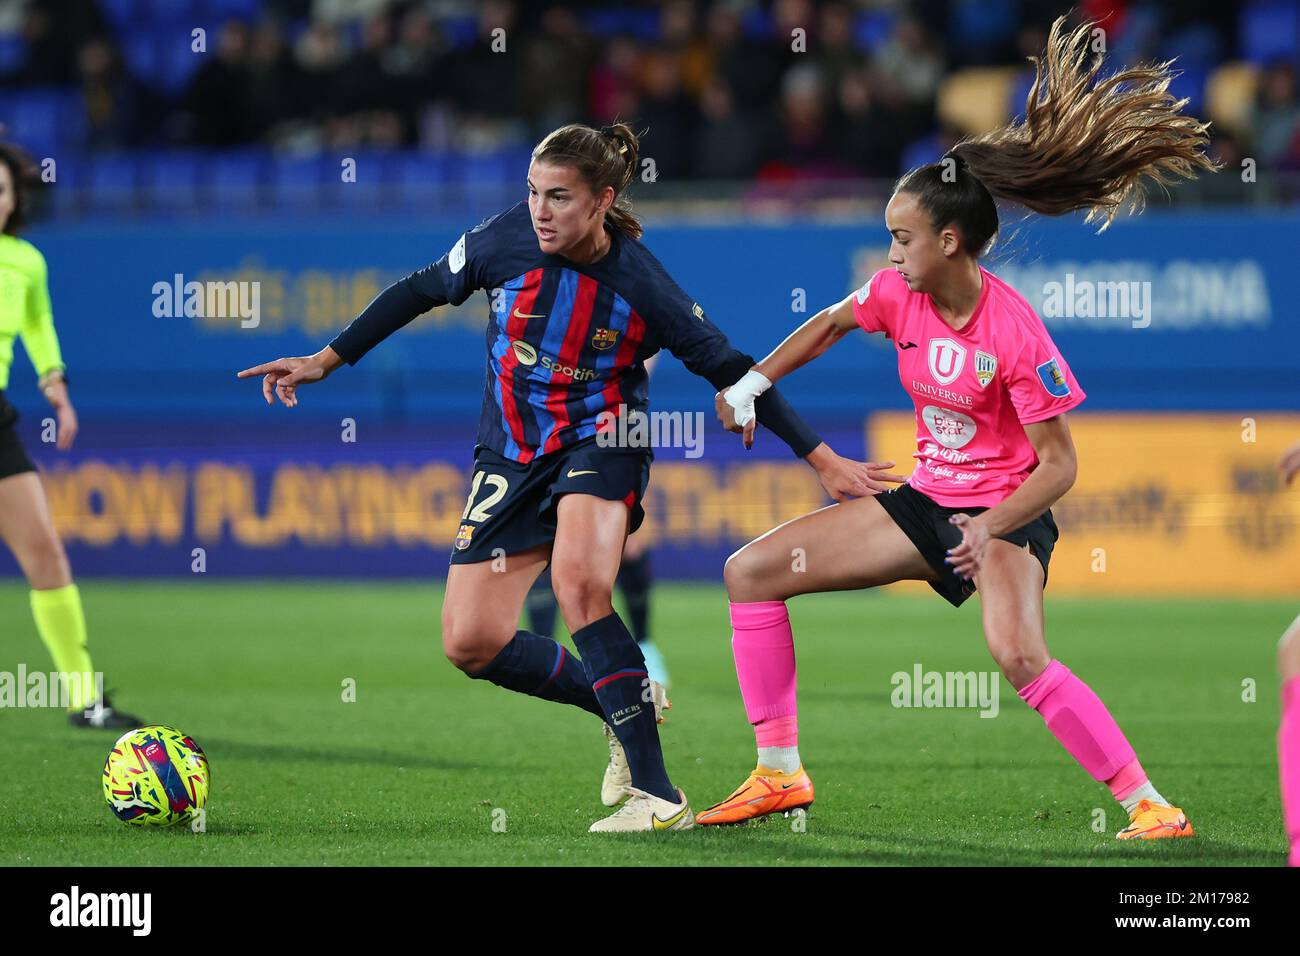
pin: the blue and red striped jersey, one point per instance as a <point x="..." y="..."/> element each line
<point x="566" y="341"/>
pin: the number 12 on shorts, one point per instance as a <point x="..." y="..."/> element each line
<point x="479" y="513"/>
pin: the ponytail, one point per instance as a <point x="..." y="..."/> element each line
<point x="1086" y="143"/>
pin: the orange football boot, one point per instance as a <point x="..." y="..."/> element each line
<point x="1155" y="821"/>
<point x="766" y="791"/>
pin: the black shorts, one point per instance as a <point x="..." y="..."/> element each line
<point x="925" y="522"/>
<point x="13" y="457"/>
<point x="512" y="507"/>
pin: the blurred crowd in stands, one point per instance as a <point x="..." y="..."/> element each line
<point x="726" y="89"/>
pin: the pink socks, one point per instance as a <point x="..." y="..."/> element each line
<point x="764" y="649"/>
<point x="1288" y="764"/>
<point x="1083" y="725"/>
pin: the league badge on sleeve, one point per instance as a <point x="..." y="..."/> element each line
<point x="1049" y="373"/>
<point x="985" y="367"/>
<point x="456" y="257"/>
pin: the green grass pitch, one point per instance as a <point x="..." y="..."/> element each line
<point x="417" y="768"/>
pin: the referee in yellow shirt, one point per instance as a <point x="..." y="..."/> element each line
<point x="25" y="522"/>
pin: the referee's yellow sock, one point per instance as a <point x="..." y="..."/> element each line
<point x="62" y="626"/>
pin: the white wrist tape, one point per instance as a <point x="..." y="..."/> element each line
<point x="741" y="395"/>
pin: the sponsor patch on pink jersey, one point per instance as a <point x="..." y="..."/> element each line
<point x="974" y="389"/>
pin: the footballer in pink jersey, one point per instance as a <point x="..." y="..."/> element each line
<point x="993" y="448"/>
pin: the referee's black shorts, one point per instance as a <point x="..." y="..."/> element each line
<point x="513" y="507"/>
<point x="925" y="522"/>
<point x="13" y="457"/>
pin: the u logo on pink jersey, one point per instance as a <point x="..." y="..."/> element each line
<point x="947" y="359"/>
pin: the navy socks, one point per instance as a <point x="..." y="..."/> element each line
<point x="617" y="673"/>
<point x="540" y="667"/>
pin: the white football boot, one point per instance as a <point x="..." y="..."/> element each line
<point x="617" y="783"/>
<point x="646" y="812"/>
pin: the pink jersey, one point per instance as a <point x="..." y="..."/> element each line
<point x="974" y="389"/>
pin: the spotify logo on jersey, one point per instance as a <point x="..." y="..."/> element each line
<point x="950" y="429"/>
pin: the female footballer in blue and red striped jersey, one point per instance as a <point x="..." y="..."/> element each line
<point x="991" y="394"/>
<point x="577" y="305"/>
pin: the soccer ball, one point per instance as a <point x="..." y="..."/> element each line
<point x="156" y="776"/>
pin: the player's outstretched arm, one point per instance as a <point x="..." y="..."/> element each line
<point x="389" y="311"/>
<point x="283" y="376"/>
<point x="737" y="406"/>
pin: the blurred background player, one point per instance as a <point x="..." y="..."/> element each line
<point x="25" y="521"/>
<point x="1288" y="733"/>
<point x="976" y="510"/>
<point x="634" y="581"/>
<point x="577" y="304"/>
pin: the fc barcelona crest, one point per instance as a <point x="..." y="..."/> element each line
<point x="985" y="366"/>
<point x="464" y="536"/>
<point x="604" y="339"/>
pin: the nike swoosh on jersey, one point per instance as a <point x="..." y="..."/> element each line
<point x="529" y="315"/>
<point x="906" y="345"/>
<point x="575" y="474"/>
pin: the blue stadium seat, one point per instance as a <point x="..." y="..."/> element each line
<point x="983" y="22"/>
<point x="64" y="194"/>
<point x="177" y="64"/>
<point x="32" y="118"/>
<point x="171" y="12"/>
<point x="295" y="182"/>
<point x="873" y="28"/>
<point x="235" y="9"/>
<point x="122" y="14"/>
<point x="13" y="53"/>
<point x="623" y="21"/>
<point x="1270" y="30"/>
<point x="111" y="182"/>
<point x="1190" y="83"/>
<point x="174" y="180"/>
<point x="237" y="177"/>
<point x="460" y="31"/>
<point x="375" y="172"/>
<point x="140" y="53"/>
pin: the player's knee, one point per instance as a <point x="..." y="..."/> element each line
<point x="467" y="643"/>
<point x="1018" y="664"/>
<point x="45" y="561"/>
<point x="583" y="597"/>
<point x="743" y="570"/>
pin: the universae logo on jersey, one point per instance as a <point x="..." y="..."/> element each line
<point x="946" y="359"/>
<point x="604" y="339"/>
<point x="1049" y="373"/>
<point x="985" y="366"/>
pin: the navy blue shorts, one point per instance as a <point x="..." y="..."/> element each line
<point x="512" y="506"/>
<point x="925" y="522"/>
